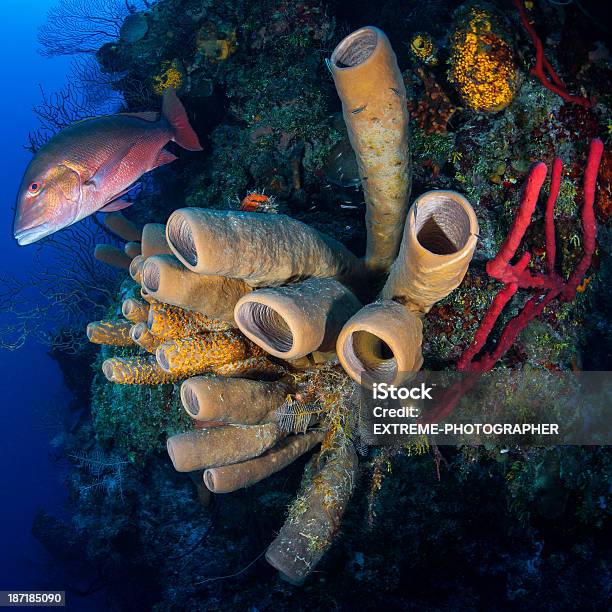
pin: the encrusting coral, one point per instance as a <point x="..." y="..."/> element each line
<point x="264" y="394"/>
<point x="483" y="67"/>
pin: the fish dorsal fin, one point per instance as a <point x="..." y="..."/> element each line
<point x="150" y="116"/>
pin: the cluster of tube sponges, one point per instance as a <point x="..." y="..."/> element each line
<point x="256" y="295"/>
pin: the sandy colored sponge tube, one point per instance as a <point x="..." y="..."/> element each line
<point x="154" y="240"/>
<point x="111" y="255"/>
<point x="381" y="343"/>
<point x="123" y="227"/>
<point x="115" y="333"/>
<point x="232" y="400"/>
<point x="373" y="96"/>
<point x="229" y="478"/>
<point x="438" y="244"/>
<point x="295" y="320"/>
<point x="308" y="534"/>
<point x="261" y="249"/>
<point x="167" y="280"/>
<point x="206" y="448"/>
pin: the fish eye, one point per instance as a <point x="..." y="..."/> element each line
<point x="34" y="187"/>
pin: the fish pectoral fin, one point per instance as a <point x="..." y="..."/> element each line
<point x="115" y="205"/>
<point x="109" y="167"/>
<point x="164" y="157"/>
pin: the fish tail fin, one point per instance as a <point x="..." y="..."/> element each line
<point x="174" y="113"/>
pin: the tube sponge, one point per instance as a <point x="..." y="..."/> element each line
<point x="206" y="448"/>
<point x="312" y="523"/>
<point x="135" y="268"/>
<point x="135" y="310"/>
<point x="115" y="333"/>
<point x="132" y="249"/>
<point x="112" y="256"/>
<point x="167" y="321"/>
<point x="253" y="366"/>
<point x="137" y="371"/>
<point x="122" y="227"/>
<point x="232" y="400"/>
<point x="438" y="244"/>
<point x="144" y="338"/>
<point x="168" y="280"/>
<point x="203" y="352"/>
<point x="229" y="478"/>
<point x="373" y="96"/>
<point x="295" y="320"/>
<point x="381" y="343"/>
<point x="260" y="248"/>
<point x="154" y="240"/>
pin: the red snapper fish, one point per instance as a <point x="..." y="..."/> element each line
<point x="91" y="164"/>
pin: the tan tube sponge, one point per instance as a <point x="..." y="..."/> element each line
<point x="375" y="111"/>
<point x="295" y="320"/>
<point x="204" y="352"/>
<point x="211" y="398"/>
<point x="260" y="248"/>
<point x="115" y="333"/>
<point x="135" y="268"/>
<point x="144" y="338"/>
<point x="122" y="227"/>
<point x="135" y="310"/>
<point x="229" y="478"/>
<point x="112" y="256"/>
<point x="315" y="516"/>
<point x="154" y="240"/>
<point x="438" y="244"/>
<point x="137" y="371"/>
<point x="167" y="321"/>
<point x="167" y="280"/>
<point x="252" y="367"/>
<point x="206" y="448"/>
<point x="381" y="343"/>
<point x="132" y="249"/>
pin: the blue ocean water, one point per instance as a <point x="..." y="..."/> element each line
<point x="32" y="387"/>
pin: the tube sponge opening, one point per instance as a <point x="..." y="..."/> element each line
<point x="442" y="225"/>
<point x="135" y="268"/>
<point x="150" y="276"/>
<point x="368" y="356"/>
<point x="355" y="49"/>
<point x="266" y="324"/>
<point x="189" y="399"/>
<point x="180" y="236"/>
<point x="381" y="343"/>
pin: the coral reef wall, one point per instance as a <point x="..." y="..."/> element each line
<point x="516" y="525"/>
